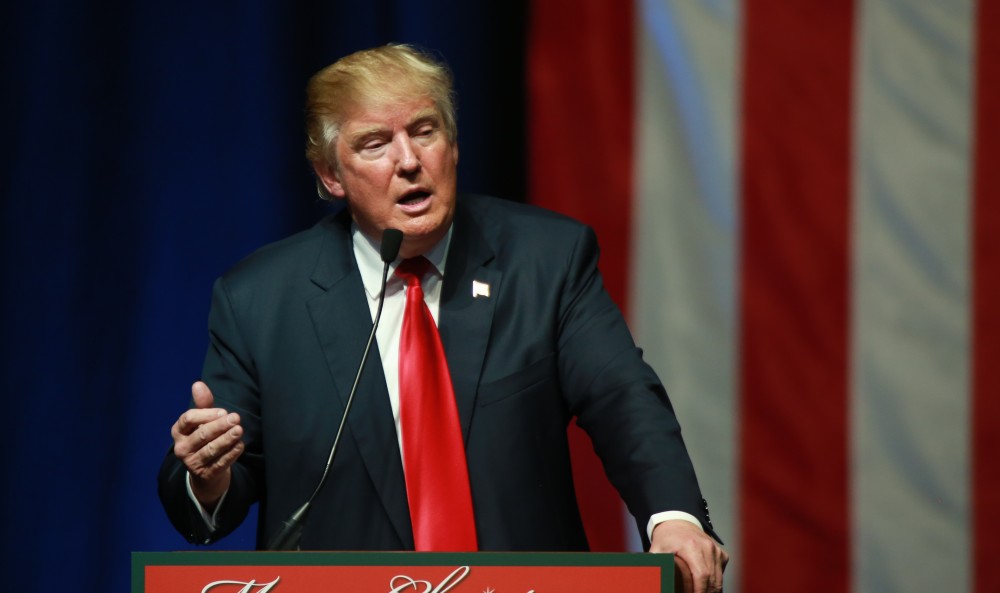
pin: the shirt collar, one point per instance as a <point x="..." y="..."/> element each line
<point x="369" y="258"/>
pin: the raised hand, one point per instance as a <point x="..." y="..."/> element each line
<point x="207" y="440"/>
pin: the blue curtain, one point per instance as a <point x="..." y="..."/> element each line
<point x="150" y="145"/>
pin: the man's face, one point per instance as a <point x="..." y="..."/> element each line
<point x="396" y="168"/>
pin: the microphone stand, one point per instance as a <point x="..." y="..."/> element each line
<point x="291" y="531"/>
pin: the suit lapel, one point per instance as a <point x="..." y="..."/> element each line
<point x="465" y="317"/>
<point x="342" y="321"/>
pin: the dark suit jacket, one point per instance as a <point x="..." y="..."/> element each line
<point x="288" y="326"/>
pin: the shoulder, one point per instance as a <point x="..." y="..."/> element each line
<point x="294" y="257"/>
<point x="509" y="213"/>
<point x="508" y="225"/>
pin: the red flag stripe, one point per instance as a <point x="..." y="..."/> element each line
<point x="580" y="70"/>
<point x="796" y="180"/>
<point x="986" y="295"/>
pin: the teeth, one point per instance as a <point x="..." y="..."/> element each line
<point x="414" y="197"/>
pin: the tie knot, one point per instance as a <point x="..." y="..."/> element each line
<point x="413" y="269"/>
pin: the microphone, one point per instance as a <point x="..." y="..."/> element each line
<point x="291" y="531"/>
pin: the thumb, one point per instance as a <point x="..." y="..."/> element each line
<point x="202" y="395"/>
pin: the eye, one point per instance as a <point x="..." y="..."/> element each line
<point x="372" y="145"/>
<point x="425" y="133"/>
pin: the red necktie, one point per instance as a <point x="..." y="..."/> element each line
<point x="437" y="477"/>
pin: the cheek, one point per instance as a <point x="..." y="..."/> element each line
<point x="367" y="180"/>
<point x="443" y="163"/>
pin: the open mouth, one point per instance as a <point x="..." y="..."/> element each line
<point x="414" y="197"/>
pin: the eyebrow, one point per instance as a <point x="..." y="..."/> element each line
<point x="424" y="115"/>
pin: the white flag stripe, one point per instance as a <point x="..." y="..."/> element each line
<point x="682" y="297"/>
<point x="911" y="335"/>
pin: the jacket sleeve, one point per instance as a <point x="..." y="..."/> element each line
<point x="229" y="371"/>
<point x="618" y="399"/>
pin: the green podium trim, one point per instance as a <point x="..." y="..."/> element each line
<point x="142" y="561"/>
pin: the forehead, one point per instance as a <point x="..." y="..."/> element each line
<point x="387" y="113"/>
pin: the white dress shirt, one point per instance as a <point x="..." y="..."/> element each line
<point x="367" y="252"/>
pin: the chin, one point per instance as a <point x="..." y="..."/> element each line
<point x="425" y="227"/>
<point x="418" y="241"/>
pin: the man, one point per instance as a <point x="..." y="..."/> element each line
<point x="530" y="336"/>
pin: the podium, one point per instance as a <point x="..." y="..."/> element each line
<point x="402" y="572"/>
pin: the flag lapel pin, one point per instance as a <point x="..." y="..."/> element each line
<point x="480" y="289"/>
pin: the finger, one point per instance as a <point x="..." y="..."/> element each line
<point x="217" y="454"/>
<point x="221" y="453"/>
<point x="715" y="562"/>
<point x="191" y="420"/>
<point x="226" y="460"/>
<point x="202" y="395"/>
<point x="200" y="435"/>
<point x="720" y="567"/>
<point x="717" y="559"/>
<point x="702" y="565"/>
<point x="683" y="580"/>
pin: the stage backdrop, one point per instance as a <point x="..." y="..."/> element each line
<point x="797" y="204"/>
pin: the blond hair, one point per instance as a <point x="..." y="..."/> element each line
<point x="381" y="74"/>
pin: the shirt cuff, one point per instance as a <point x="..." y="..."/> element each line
<point x="667" y="516"/>
<point x="210" y="520"/>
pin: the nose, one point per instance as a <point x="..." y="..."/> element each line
<point x="407" y="161"/>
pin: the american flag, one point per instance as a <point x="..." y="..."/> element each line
<point x="797" y="202"/>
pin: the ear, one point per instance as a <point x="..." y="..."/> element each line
<point x="328" y="176"/>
